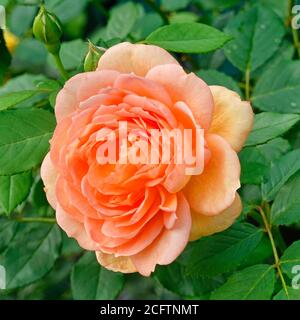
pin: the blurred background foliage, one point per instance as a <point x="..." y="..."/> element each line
<point x="261" y="64"/>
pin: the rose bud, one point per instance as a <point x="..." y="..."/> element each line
<point x="47" y="29"/>
<point x="92" y="57"/>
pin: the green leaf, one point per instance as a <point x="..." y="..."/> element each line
<point x="14" y="190"/>
<point x="281" y="8"/>
<point x="279" y="173"/>
<point x="24" y="82"/>
<point x="294" y="294"/>
<point x="291" y="260"/>
<point x="89" y="281"/>
<point x="30" y="55"/>
<point x="183" y="17"/>
<point x="188" y="38"/>
<point x="24" y="139"/>
<point x="257" y="35"/>
<point x="173" y="278"/>
<point x="72" y="54"/>
<point x="286" y="207"/>
<point x="7" y="230"/>
<point x="225" y="251"/>
<point x="217" y="78"/>
<point x="261" y="254"/>
<point x="31" y="254"/>
<point x="284" y="53"/>
<point x="281" y="93"/>
<point x="11" y="99"/>
<point x="122" y="20"/>
<point x="146" y="24"/>
<point x="48" y="85"/>
<point x="20" y="19"/>
<point x="174" y="5"/>
<point x="256" y="160"/>
<point x="217" y="4"/>
<point x="253" y="283"/>
<point x="269" y="125"/>
<point x="66" y="10"/>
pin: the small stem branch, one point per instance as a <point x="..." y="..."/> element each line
<point x="156" y="8"/>
<point x="296" y="40"/>
<point x="275" y="253"/>
<point x="61" y="67"/>
<point x="247" y="84"/>
<point x="29" y="219"/>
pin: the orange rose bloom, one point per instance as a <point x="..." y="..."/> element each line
<point x="135" y="216"/>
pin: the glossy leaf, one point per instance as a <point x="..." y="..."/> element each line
<point x="24" y="139"/>
<point x="253" y="283"/>
<point x="91" y="281"/>
<point x="188" y="38"/>
<point x="13" y="190"/>
<point x="225" y="251"/>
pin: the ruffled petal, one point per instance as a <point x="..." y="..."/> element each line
<point x="187" y="88"/>
<point x="79" y="88"/>
<point x="214" y="190"/>
<point x="169" y="245"/>
<point x="203" y="225"/>
<point x="137" y="58"/>
<point x="232" y="118"/>
<point x="49" y="177"/>
<point x="74" y="229"/>
<point x="116" y="264"/>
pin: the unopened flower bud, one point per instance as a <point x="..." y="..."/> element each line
<point x="47" y="29"/>
<point x="92" y="58"/>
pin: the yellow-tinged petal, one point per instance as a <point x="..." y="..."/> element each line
<point x="137" y="58"/>
<point x="203" y="225"/>
<point x="117" y="264"/>
<point x="214" y="190"/>
<point x="232" y="117"/>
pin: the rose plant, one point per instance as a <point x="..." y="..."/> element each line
<point x="219" y="90"/>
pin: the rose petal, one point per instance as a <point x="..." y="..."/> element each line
<point x="74" y="229"/>
<point x="137" y="58"/>
<point x="187" y="88"/>
<point x="214" y="190"/>
<point x="79" y="88"/>
<point x="232" y="118"/>
<point x="169" y="245"/>
<point x="204" y="225"/>
<point x="49" y="177"/>
<point x="117" y="264"/>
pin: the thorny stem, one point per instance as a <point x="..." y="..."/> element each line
<point x="275" y="252"/>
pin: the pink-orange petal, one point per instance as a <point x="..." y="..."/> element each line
<point x="214" y="190"/>
<point x="204" y="225"/>
<point x="116" y="264"/>
<point x="187" y="88"/>
<point x="169" y="245"/>
<point x="74" y="229"/>
<point x="137" y="58"/>
<point x="49" y="177"/>
<point x="232" y="118"/>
